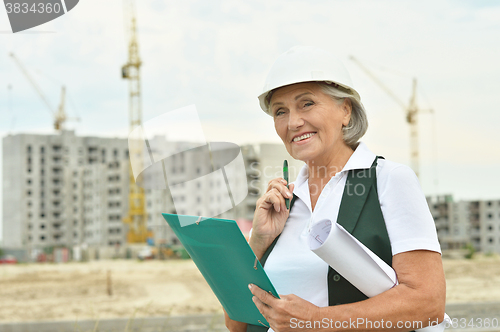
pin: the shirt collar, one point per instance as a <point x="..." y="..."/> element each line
<point x="362" y="158"/>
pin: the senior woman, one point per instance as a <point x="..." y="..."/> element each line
<point x="320" y="119"/>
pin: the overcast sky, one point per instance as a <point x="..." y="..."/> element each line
<point x="216" y="54"/>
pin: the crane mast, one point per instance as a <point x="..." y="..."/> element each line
<point x="136" y="217"/>
<point x="411" y="109"/>
<point x="412" y="119"/>
<point x="60" y="115"/>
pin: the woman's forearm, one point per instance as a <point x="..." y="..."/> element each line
<point x="259" y="247"/>
<point x="418" y="301"/>
<point x="234" y="326"/>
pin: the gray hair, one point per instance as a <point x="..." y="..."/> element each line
<point x="359" y="122"/>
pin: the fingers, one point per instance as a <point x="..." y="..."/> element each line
<point x="263" y="308"/>
<point x="280" y="185"/>
<point x="261" y="296"/>
<point x="260" y="305"/>
<point x="276" y="199"/>
<point x="272" y="198"/>
<point x="277" y="192"/>
<point x="263" y="300"/>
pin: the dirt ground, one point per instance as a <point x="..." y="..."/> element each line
<point x="78" y="291"/>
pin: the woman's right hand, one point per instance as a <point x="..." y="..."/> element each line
<point x="270" y="215"/>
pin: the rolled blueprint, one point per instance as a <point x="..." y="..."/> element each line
<point x="351" y="259"/>
<point x="355" y="262"/>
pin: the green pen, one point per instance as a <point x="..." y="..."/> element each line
<point x="285" y="176"/>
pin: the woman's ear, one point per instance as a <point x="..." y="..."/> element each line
<point x="347" y="108"/>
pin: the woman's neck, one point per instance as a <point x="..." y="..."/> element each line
<point x="326" y="167"/>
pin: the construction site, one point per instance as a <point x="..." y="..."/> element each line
<point x="83" y="243"/>
<point x="128" y="290"/>
<point x="76" y="176"/>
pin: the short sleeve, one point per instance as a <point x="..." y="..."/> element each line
<point x="408" y="219"/>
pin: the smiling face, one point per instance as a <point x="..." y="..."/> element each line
<point x="309" y="122"/>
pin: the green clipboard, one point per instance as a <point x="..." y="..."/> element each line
<point x="226" y="261"/>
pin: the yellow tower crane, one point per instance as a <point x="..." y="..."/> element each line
<point x="136" y="217"/>
<point x="411" y="109"/>
<point x="59" y="114"/>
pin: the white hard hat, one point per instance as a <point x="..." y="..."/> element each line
<point x="306" y="64"/>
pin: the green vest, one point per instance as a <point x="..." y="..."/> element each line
<point x="360" y="214"/>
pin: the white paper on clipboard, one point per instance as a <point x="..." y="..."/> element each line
<point x="355" y="262"/>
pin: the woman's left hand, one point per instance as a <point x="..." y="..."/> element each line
<point x="284" y="314"/>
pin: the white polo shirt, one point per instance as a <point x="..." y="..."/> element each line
<point x="294" y="269"/>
